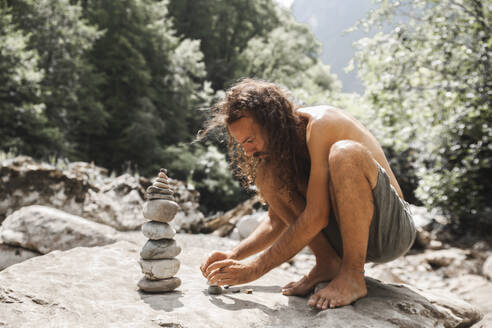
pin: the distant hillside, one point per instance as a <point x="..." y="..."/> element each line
<point x="328" y="20"/>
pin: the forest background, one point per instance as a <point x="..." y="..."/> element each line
<point x="127" y="84"/>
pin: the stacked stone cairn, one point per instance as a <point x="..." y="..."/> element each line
<point x="158" y="261"/>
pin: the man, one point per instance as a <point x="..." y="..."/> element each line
<point x="328" y="185"/>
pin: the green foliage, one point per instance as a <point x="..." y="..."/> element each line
<point x="206" y="169"/>
<point x="149" y="83"/>
<point x="288" y="55"/>
<point x="224" y="28"/>
<point x="24" y="125"/>
<point x="253" y="39"/>
<point x="68" y="89"/>
<point x="430" y="80"/>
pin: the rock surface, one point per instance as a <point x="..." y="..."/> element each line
<point x="45" y="229"/>
<point x="487" y="267"/>
<point x="10" y="255"/>
<point x="79" y="188"/>
<point x="189" y="217"/>
<point x="248" y="223"/>
<point x="103" y="292"/>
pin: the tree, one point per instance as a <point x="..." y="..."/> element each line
<point x="24" y="126"/>
<point x="224" y="28"/>
<point x="69" y="87"/>
<point x="151" y="81"/>
<point x="430" y="80"/>
<point x="288" y="55"/>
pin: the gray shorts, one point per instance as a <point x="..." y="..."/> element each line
<point x="392" y="229"/>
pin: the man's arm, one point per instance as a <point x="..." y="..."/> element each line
<point x="314" y="218"/>
<point x="262" y="237"/>
<point x="316" y="213"/>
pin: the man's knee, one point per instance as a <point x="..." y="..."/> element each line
<point x="347" y="154"/>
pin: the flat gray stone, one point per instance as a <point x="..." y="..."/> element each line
<point x="161" y="210"/>
<point x="161" y="185"/>
<point x="161" y="180"/>
<point x="152" y="190"/>
<point x="158" y="230"/>
<point x="159" y="286"/>
<point x="159" y="269"/>
<point x="159" y="196"/>
<point x="160" y="249"/>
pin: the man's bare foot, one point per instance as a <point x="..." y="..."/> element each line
<point x="317" y="274"/>
<point x="344" y="289"/>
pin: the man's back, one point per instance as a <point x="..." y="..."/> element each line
<point x="336" y="125"/>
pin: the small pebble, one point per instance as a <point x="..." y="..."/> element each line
<point x="214" y="290"/>
<point x="248" y="291"/>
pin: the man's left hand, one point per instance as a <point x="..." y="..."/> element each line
<point x="232" y="272"/>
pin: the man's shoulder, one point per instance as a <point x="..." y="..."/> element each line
<point x="323" y="115"/>
<point x="324" y="122"/>
<point x="317" y="111"/>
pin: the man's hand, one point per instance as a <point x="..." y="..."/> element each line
<point x="231" y="272"/>
<point x="214" y="257"/>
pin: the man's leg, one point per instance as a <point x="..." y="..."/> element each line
<point x="353" y="175"/>
<point x="327" y="266"/>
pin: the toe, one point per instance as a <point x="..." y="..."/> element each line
<point x="313" y="300"/>
<point x="287" y="291"/>
<point x="325" y="304"/>
<point x="319" y="304"/>
<point x="295" y="289"/>
<point x="289" y="285"/>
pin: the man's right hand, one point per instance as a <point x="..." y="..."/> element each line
<point x="214" y="257"/>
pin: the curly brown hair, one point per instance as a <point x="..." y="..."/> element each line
<point x="271" y="108"/>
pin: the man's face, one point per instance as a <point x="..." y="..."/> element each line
<point x="250" y="136"/>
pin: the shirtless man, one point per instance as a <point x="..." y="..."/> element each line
<point x="328" y="185"/>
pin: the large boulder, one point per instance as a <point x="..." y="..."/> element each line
<point x="189" y="217"/>
<point x="45" y="229"/>
<point x="99" y="286"/>
<point x="118" y="203"/>
<point x="487" y="267"/>
<point x="26" y="182"/>
<point x="248" y="223"/>
<point x="79" y="188"/>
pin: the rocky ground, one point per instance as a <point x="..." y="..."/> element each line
<point x="461" y="272"/>
<point x="82" y="206"/>
<point x="98" y="286"/>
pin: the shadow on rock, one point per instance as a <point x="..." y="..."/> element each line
<point x="254" y="288"/>
<point x="236" y="304"/>
<point x="167" y="302"/>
